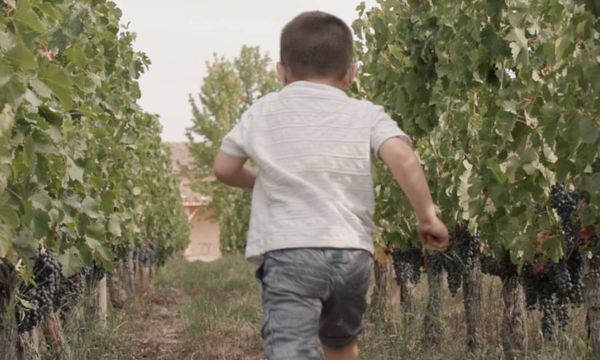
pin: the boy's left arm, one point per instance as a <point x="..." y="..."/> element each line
<point x="231" y="171"/>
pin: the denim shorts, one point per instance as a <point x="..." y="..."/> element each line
<point x="312" y="294"/>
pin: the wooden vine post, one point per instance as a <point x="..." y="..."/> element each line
<point x="8" y="323"/>
<point x="432" y="321"/>
<point x="102" y="294"/>
<point x="592" y="302"/>
<point x="472" y="288"/>
<point x="512" y="331"/>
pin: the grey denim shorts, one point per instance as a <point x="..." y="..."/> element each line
<point x="312" y="294"/>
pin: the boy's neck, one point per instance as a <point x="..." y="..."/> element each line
<point x="324" y="81"/>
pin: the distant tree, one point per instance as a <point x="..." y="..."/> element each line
<point x="228" y="89"/>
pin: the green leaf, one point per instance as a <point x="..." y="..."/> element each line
<point x="114" y="225"/>
<point x="518" y="43"/>
<point x="76" y="56"/>
<point x="107" y="201"/>
<point x="41" y="200"/>
<point x="588" y="130"/>
<point x="494" y="167"/>
<point x="75" y="172"/>
<point x="553" y="247"/>
<point x="89" y="206"/>
<point x="58" y="81"/>
<point x="29" y="152"/>
<point x="7" y="119"/>
<point x="5" y="73"/>
<point x="51" y="11"/>
<point x="25" y="244"/>
<point x="6" y="236"/>
<point x="101" y="253"/>
<point x="71" y="261"/>
<point x="22" y="57"/>
<point x="40" y="88"/>
<point x="529" y="155"/>
<point x="40" y="223"/>
<point x="9" y="216"/>
<point x="25" y="15"/>
<point x="562" y="47"/>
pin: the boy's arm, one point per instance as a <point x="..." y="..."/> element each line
<point x="231" y="171"/>
<point x="398" y="155"/>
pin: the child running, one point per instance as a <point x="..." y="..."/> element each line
<point x="311" y="223"/>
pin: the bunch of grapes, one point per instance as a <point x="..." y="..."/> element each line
<point x="532" y="284"/>
<point x="69" y="293"/>
<point x="435" y="262"/>
<point x="595" y="241"/>
<point x="560" y="278"/>
<point x="127" y="262"/>
<point x="47" y="271"/>
<point x="575" y="267"/>
<point x="407" y="265"/>
<point x="454" y="271"/>
<point x="552" y="288"/>
<point x="548" y="308"/>
<point x="498" y="266"/>
<point x="565" y="204"/>
<point x="93" y="274"/>
<point x="438" y="261"/>
<point x="468" y="244"/>
<point x="147" y="255"/>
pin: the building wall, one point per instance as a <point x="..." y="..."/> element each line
<point x="204" y="236"/>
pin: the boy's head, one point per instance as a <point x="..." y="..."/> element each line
<point x="316" y="46"/>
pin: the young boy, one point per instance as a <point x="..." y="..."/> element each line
<point x="312" y="201"/>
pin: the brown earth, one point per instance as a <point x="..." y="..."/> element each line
<point x="154" y="329"/>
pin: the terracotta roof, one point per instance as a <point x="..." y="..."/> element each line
<point x="180" y="156"/>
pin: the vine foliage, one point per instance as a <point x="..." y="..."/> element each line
<point x="83" y="172"/>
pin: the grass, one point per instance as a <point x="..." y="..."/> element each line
<point x="87" y="338"/>
<point x="212" y="311"/>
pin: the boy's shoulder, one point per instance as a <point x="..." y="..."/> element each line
<point x="355" y="105"/>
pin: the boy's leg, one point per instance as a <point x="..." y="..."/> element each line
<point x="293" y="283"/>
<point x="346" y="352"/>
<point x="341" y="319"/>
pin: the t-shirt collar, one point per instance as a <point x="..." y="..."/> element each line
<point x="303" y="84"/>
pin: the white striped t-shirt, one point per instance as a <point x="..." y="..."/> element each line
<point x="313" y="146"/>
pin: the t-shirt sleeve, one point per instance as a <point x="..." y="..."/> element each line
<point x="234" y="142"/>
<point x="383" y="128"/>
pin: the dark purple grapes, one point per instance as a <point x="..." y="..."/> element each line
<point x="407" y="265"/>
<point x="40" y="296"/>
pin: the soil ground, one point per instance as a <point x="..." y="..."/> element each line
<point x="192" y="310"/>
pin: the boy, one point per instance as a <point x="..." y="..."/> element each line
<point x="312" y="201"/>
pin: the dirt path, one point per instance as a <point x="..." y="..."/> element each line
<point x="155" y="329"/>
<point x="193" y="310"/>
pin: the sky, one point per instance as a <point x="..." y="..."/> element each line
<point x="180" y="36"/>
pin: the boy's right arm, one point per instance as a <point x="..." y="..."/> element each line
<point x="399" y="156"/>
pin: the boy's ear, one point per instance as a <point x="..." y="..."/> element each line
<point x="350" y="76"/>
<point x="353" y="72"/>
<point x="282" y="72"/>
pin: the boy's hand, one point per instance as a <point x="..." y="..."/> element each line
<point x="434" y="233"/>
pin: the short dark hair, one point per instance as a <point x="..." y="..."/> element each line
<point x="316" y="44"/>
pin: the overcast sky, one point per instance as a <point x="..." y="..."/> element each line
<point x="179" y="36"/>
